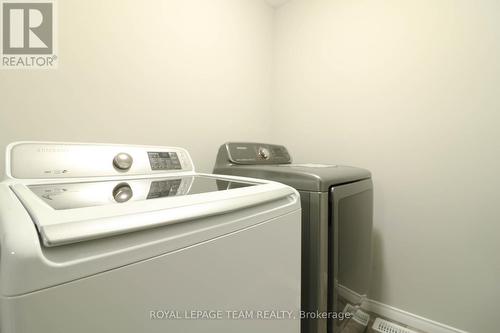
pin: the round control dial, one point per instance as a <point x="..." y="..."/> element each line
<point x="264" y="153"/>
<point x="122" y="192"/>
<point x="123" y="161"/>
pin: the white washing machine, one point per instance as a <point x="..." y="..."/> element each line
<point x="114" y="238"/>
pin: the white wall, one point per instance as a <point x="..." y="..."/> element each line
<point x="411" y="90"/>
<point x="190" y="73"/>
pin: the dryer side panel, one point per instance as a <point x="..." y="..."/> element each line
<point x="314" y="258"/>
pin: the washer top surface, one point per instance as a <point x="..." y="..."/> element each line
<point x="273" y="162"/>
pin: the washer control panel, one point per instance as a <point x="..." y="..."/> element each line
<point x="257" y="153"/>
<point x="40" y="160"/>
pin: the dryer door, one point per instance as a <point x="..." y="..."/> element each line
<point x="351" y="213"/>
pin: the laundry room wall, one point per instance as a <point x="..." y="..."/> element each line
<point x="189" y="73"/>
<point x="410" y="90"/>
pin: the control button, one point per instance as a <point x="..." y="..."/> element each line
<point x="123" y="161"/>
<point x="264" y="153"/>
<point x="122" y="192"/>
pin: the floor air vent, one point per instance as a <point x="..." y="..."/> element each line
<point x="384" y="326"/>
<point x="361" y="317"/>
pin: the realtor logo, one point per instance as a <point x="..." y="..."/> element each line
<point x="28" y="34"/>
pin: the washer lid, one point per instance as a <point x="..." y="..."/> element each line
<point x="70" y="212"/>
<point x="62" y="196"/>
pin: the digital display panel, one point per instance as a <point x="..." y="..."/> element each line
<point x="164" y="161"/>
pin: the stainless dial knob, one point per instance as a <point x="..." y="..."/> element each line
<point x="263" y="153"/>
<point x="123" y="161"/>
<point x="122" y="192"/>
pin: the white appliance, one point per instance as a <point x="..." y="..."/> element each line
<point x="114" y="238"/>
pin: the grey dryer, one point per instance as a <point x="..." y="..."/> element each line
<point x="337" y="218"/>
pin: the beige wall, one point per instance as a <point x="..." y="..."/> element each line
<point x="411" y="90"/>
<point x="190" y="73"/>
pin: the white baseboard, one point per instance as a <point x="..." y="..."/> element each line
<point x="350" y="295"/>
<point x="398" y="315"/>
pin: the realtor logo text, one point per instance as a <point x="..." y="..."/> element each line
<point x="28" y="30"/>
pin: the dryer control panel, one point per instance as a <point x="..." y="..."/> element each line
<point x="256" y="153"/>
<point x="41" y="160"/>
